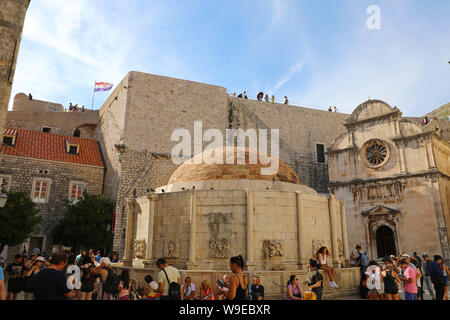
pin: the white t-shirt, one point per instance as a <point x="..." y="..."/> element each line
<point x="173" y="275"/>
<point x="188" y="291"/>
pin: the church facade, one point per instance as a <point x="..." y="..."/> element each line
<point x="394" y="176"/>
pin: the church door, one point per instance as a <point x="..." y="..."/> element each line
<point x="385" y="242"/>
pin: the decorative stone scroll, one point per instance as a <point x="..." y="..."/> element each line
<point x="341" y="248"/>
<point x="219" y="248"/>
<point x="316" y="245"/>
<point x="139" y="249"/>
<point x="273" y="248"/>
<point x="172" y="249"/>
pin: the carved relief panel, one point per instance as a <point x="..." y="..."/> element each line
<point x="219" y="248"/>
<point x="273" y="248"/>
<point x="172" y="249"/>
<point x="139" y="249"/>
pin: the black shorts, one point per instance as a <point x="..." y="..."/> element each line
<point x="15" y="285"/>
<point x="87" y="286"/>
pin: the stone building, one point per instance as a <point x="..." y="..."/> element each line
<point x="12" y="17"/>
<point x="52" y="169"/>
<point x="394" y="176"/>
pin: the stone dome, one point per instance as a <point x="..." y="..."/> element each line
<point x="189" y="171"/>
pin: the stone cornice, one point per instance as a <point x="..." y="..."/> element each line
<point x="425" y="134"/>
<point x="334" y="151"/>
<point x="351" y="123"/>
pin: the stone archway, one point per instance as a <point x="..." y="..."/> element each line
<point x="382" y="231"/>
<point x="385" y="241"/>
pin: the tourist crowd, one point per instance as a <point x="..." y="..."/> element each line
<point x="90" y="276"/>
<point x="401" y="277"/>
<point x="260" y="96"/>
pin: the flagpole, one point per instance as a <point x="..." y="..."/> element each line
<point x="93" y="96"/>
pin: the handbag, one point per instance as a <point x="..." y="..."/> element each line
<point x="309" y="295"/>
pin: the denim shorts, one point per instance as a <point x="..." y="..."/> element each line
<point x="410" y="296"/>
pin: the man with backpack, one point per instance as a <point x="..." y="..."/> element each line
<point x="109" y="283"/>
<point x="169" y="281"/>
<point x="362" y="260"/>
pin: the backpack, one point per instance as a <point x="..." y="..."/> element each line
<point x="174" y="289"/>
<point x="111" y="284"/>
<point x="363" y="259"/>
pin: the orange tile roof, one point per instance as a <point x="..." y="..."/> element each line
<point x="48" y="146"/>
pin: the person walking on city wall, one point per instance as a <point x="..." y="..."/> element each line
<point x="391" y="282"/>
<point x="273" y="99"/>
<point x="426" y="272"/>
<point x="51" y="283"/>
<point x="286" y="100"/>
<point x="167" y="277"/>
<point x="238" y="289"/>
<point x="437" y="277"/>
<point x="14" y="276"/>
<point x="410" y="276"/>
<point x="322" y="260"/>
<point x="315" y="279"/>
<point x="266" y="98"/>
<point x="256" y="290"/>
<point x="294" y="290"/>
<point x="2" y="285"/>
<point x="188" y="289"/>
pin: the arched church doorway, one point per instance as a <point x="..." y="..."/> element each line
<point x="385" y="242"/>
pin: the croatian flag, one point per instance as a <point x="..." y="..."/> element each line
<point x="102" y="86"/>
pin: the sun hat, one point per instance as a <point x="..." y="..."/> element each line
<point x="41" y="259"/>
<point x="154" y="285"/>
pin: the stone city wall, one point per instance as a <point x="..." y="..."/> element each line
<point x="62" y="123"/>
<point x="23" y="170"/>
<point x="12" y="17"/>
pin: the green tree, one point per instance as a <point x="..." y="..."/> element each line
<point x="18" y="219"/>
<point x="86" y="223"/>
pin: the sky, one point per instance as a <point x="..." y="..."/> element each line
<point x="319" y="53"/>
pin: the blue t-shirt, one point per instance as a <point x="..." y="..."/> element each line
<point x="98" y="258"/>
<point x="2" y="277"/>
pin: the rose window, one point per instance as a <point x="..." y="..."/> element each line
<point x="375" y="153"/>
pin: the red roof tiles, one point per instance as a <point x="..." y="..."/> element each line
<point x="48" y="146"/>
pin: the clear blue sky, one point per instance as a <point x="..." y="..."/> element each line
<point x="317" y="52"/>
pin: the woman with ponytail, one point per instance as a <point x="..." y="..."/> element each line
<point x="238" y="281"/>
<point x="294" y="290"/>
